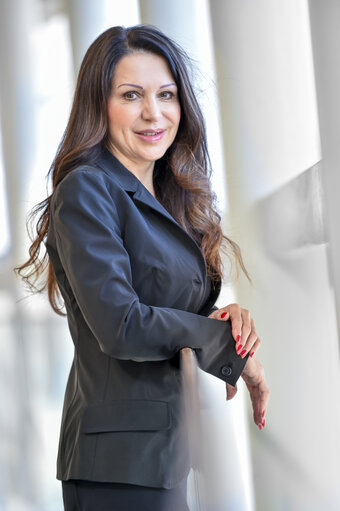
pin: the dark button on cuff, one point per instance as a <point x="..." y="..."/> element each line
<point x="226" y="370"/>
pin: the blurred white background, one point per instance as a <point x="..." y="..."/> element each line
<point x="268" y="81"/>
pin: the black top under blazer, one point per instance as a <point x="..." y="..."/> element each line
<point x="134" y="286"/>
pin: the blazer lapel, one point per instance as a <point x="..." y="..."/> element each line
<point x="143" y="195"/>
<point x="112" y="166"/>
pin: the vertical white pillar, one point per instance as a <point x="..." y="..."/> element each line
<point x="17" y="114"/>
<point x="270" y="133"/>
<point x="17" y="123"/>
<point x="325" y="18"/>
<point x="88" y="19"/>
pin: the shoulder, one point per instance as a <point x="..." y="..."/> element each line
<point x="83" y="183"/>
<point x="84" y="198"/>
<point x="82" y="176"/>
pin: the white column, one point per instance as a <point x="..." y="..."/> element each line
<point x="17" y="115"/>
<point x="325" y="18"/>
<point x="17" y="119"/>
<point x="88" y="19"/>
<point x="270" y="133"/>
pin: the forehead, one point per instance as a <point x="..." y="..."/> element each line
<point x="146" y="68"/>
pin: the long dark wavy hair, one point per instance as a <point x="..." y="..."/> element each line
<point x="181" y="176"/>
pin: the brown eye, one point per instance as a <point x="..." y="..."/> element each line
<point x="167" y="94"/>
<point x="128" y="94"/>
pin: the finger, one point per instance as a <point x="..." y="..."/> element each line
<point x="260" y="405"/>
<point x="251" y="341"/>
<point x="243" y="350"/>
<point x="231" y="391"/>
<point x="225" y="315"/>
<point x="221" y="313"/>
<point x="255" y="347"/>
<point x="246" y="329"/>
<point x="235" y="312"/>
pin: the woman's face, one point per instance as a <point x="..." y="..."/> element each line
<point x="143" y="99"/>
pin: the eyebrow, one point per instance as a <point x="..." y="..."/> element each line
<point x="140" y="87"/>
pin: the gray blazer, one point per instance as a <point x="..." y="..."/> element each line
<point x="134" y="284"/>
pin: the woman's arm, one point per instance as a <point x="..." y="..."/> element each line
<point x="243" y="330"/>
<point x="97" y="268"/>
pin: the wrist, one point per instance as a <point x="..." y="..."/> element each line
<point x="253" y="371"/>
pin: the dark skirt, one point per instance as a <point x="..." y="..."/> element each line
<point x="81" y="495"/>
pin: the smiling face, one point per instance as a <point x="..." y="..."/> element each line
<point x="144" y="99"/>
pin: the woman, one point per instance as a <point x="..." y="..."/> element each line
<point x="133" y="240"/>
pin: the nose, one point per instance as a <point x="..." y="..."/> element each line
<point x="151" y="109"/>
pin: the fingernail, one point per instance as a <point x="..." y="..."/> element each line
<point x="224" y="314"/>
<point x="243" y="354"/>
<point x="260" y="427"/>
<point x="238" y="338"/>
<point x="264" y="411"/>
<point x="252" y="353"/>
<point x="239" y="347"/>
<point x="264" y="423"/>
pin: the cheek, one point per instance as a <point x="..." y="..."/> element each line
<point x="119" y="117"/>
<point x="177" y="115"/>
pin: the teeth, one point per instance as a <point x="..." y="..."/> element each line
<point x="150" y="134"/>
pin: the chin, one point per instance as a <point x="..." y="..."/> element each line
<point x="156" y="155"/>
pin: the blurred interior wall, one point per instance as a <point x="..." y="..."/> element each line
<point x="325" y="27"/>
<point x="271" y="143"/>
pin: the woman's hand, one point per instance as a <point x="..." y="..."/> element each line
<point x="253" y="375"/>
<point x="243" y="328"/>
<point x="247" y="341"/>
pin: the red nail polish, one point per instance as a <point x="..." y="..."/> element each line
<point x="264" y="423"/>
<point x="238" y="338"/>
<point x="239" y="347"/>
<point x="224" y="314"/>
<point x="243" y="353"/>
<point x="264" y="411"/>
<point x="260" y="427"/>
<point x="252" y="353"/>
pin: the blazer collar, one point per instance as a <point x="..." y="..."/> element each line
<point x="127" y="180"/>
<point x="110" y="164"/>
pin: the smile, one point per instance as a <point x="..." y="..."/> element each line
<point x="151" y="136"/>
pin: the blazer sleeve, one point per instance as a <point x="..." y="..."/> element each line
<point x="97" y="267"/>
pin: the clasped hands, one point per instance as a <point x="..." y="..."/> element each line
<point x="247" y="341"/>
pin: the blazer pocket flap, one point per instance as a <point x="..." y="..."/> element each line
<point x="126" y="415"/>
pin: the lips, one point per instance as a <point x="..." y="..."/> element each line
<point x="150" y="135"/>
<point x="150" y="132"/>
